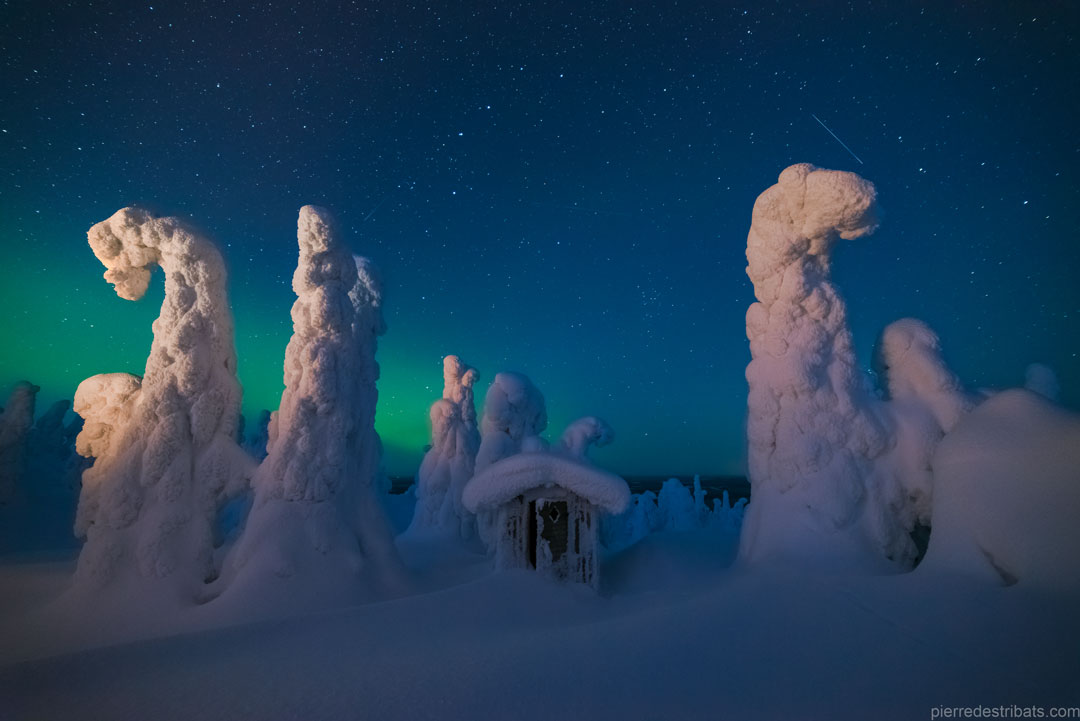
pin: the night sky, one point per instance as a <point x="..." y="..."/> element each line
<point x="558" y="189"/>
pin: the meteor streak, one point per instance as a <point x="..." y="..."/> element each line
<point x="837" y="139"/>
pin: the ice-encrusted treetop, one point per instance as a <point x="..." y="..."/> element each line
<point x="519" y="473"/>
<point x="583" y="433"/>
<point x="804" y="214"/>
<point x="908" y="360"/>
<point x="514" y="416"/>
<point x="1041" y="378"/>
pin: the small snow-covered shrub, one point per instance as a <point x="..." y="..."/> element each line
<point x="674" y="509"/>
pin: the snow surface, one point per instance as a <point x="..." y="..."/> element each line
<point x="521" y="472"/>
<point x="676" y="632"/>
<point x="165" y="449"/>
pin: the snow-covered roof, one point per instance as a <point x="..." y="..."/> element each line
<point x="512" y="476"/>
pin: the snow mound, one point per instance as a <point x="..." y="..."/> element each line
<point x="1007" y="494"/>
<point x="512" y="476"/>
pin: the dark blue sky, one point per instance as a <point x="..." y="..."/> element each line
<point x="558" y="189"/>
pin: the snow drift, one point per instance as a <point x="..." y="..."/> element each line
<point x="1007" y="495"/>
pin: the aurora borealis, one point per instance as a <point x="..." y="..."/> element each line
<point x="560" y="189"/>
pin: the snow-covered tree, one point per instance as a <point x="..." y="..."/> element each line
<point x="908" y="360"/>
<point x="316" y="519"/>
<point x="53" y="467"/>
<point x="164" y="445"/>
<point x="584" y="433"/>
<point x="514" y="418"/>
<point x="924" y="401"/>
<point x="811" y="434"/>
<point x="255" y="444"/>
<point x="1041" y="378"/>
<point x="449" y="463"/>
<point x="16" y="419"/>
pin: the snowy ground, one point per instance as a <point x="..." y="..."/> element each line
<point x="675" y="633"/>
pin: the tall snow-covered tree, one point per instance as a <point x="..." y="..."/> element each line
<point x="16" y="418"/>
<point x="164" y="445"/>
<point x="448" y="465"/>
<point x="811" y="435"/>
<point x="316" y="520"/>
<point x="838" y="473"/>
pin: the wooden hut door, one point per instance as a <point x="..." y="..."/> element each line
<point x="530" y="521"/>
<point x="554" y="517"/>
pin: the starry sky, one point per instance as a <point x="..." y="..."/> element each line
<point x="561" y="189"/>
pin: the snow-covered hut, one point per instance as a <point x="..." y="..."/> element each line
<point x="547" y="509"/>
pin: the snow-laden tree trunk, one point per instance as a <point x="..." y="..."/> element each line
<point x="450" y="462"/>
<point x="316" y="523"/>
<point x="164" y="445"/>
